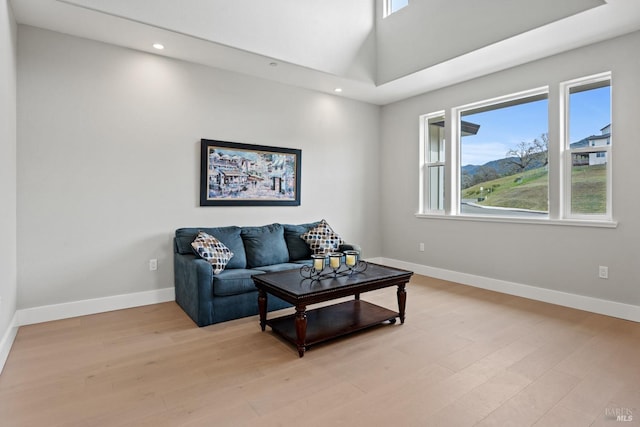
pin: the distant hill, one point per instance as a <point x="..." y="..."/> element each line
<point x="502" y="166"/>
<point x="473" y="174"/>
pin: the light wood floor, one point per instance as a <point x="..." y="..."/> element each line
<point x="464" y="357"/>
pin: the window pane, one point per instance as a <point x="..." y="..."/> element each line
<point x="436" y="187"/>
<point x="435" y="150"/>
<point x="504" y="157"/>
<point x="589" y="126"/>
<point x="396" y="5"/>
<point x="434" y="162"/>
<point x="589" y="182"/>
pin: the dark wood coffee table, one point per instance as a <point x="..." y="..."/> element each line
<point x="306" y="328"/>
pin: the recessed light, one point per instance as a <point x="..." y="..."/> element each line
<point x="158" y="46"/>
<point x="338" y="90"/>
<point x="273" y="64"/>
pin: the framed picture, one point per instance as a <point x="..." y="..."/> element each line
<point x="235" y="174"/>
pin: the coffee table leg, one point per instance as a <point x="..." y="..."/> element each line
<point x="402" y="301"/>
<point x="301" y="328"/>
<point x="262" y="308"/>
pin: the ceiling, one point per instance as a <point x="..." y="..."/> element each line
<point x="325" y="44"/>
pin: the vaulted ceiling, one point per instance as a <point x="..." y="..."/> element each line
<point x="326" y="44"/>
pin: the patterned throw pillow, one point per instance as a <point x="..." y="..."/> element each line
<point x="322" y="239"/>
<point x="212" y="250"/>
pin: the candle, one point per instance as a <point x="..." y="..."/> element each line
<point x="318" y="263"/>
<point x="350" y="260"/>
<point x="334" y="262"/>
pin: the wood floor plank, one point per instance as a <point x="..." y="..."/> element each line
<point x="464" y="357"/>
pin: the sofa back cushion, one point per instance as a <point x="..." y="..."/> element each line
<point x="298" y="248"/>
<point x="264" y="245"/>
<point x="229" y="236"/>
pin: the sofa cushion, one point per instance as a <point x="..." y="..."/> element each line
<point x="280" y="267"/>
<point x="229" y="236"/>
<point x="264" y="245"/>
<point x="234" y="282"/>
<point x="322" y="239"/>
<point x="212" y="250"/>
<point x="298" y="248"/>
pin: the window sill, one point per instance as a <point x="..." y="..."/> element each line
<point x="512" y="220"/>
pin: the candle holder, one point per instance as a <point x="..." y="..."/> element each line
<point x="319" y="261"/>
<point x="351" y="258"/>
<point x="339" y="264"/>
<point x="353" y="263"/>
<point x="335" y="260"/>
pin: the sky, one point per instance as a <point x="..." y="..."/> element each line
<point x="398" y="4"/>
<point x="500" y="130"/>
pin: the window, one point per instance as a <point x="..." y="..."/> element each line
<point x="502" y="163"/>
<point x="433" y="162"/>
<point x="504" y="156"/>
<point x="392" y="6"/>
<point x="588" y="147"/>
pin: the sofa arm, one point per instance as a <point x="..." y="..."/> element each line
<point x="194" y="287"/>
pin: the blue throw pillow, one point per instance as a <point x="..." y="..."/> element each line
<point x="229" y="236"/>
<point x="264" y="245"/>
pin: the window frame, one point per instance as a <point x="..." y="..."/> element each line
<point x="567" y="151"/>
<point x="514" y="98"/>
<point x="425" y="163"/>
<point x="559" y="160"/>
<point x="387" y="8"/>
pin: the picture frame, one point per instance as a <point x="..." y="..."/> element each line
<point x="238" y="174"/>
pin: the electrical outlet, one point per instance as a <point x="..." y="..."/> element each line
<point x="153" y="264"/>
<point x="421" y="247"/>
<point x="603" y="272"/>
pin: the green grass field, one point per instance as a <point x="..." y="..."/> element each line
<point x="530" y="190"/>
<point x="589" y="189"/>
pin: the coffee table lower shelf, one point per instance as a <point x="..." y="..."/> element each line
<point x="332" y="321"/>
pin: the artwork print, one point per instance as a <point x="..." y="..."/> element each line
<point x="238" y="174"/>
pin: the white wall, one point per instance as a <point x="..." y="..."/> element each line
<point x="8" y="275"/>
<point x="108" y="165"/>
<point x="330" y="35"/>
<point x="108" y="162"/>
<point x="561" y="258"/>
<point x="426" y="33"/>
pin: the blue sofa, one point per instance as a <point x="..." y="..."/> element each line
<point x="212" y="298"/>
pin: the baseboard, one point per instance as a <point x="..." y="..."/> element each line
<point x="580" y="302"/>
<point x="48" y="313"/>
<point x="7" y="341"/>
